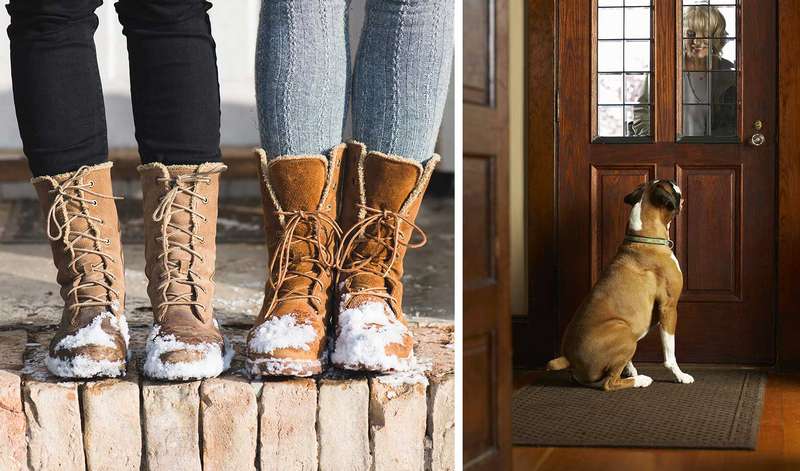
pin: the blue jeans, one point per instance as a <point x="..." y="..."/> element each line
<point x="399" y="84"/>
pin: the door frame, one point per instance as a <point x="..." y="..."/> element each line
<point x="536" y="335"/>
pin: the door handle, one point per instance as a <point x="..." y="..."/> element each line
<point x="757" y="139"/>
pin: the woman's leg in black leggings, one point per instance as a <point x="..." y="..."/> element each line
<point x="56" y="82"/>
<point x="174" y="85"/>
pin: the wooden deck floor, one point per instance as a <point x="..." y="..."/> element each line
<point x="778" y="443"/>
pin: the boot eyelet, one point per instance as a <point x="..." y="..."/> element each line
<point x="205" y="200"/>
<point x="91" y="183"/>
<point x="94" y="202"/>
<point x="108" y="241"/>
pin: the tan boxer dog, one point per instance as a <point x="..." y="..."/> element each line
<point x="639" y="289"/>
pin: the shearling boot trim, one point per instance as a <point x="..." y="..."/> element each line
<point x="165" y="169"/>
<point x="362" y="189"/>
<point x="53" y="179"/>
<point x="422" y="181"/>
<point x="329" y="161"/>
<point x="430" y="166"/>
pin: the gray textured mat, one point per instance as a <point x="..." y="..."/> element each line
<point x="720" y="410"/>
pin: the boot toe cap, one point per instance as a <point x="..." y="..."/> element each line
<point x="87" y="361"/>
<point x="291" y="344"/>
<point x="178" y="357"/>
<point x="369" y="337"/>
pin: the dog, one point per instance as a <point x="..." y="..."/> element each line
<point x="639" y="290"/>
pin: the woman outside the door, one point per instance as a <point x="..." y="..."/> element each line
<point x="339" y="217"/>
<point x="704" y="31"/>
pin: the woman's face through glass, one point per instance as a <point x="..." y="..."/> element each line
<point x="695" y="45"/>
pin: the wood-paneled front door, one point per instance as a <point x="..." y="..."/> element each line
<point x="487" y="319"/>
<point x="681" y="90"/>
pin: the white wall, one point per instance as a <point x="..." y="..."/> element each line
<point x="516" y="155"/>
<point x="234" y="24"/>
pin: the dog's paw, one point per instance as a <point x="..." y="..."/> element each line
<point x="642" y="381"/>
<point x="684" y="378"/>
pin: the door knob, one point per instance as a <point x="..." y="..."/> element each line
<point x="757" y="139"/>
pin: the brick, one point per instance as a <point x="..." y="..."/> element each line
<point x="12" y="423"/>
<point x="55" y="440"/>
<point x="398" y="418"/>
<point x="288" y="416"/>
<point x="229" y="418"/>
<point x="171" y="425"/>
<point x="440" y="455"/>
<point x="343" y="425"/>
<point x="112" y="432"/>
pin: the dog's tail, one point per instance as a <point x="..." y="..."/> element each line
<point x="556" y="364"/>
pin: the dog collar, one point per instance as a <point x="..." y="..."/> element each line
<point x="649" y="240"/>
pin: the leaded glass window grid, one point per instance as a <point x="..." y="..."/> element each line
<point x="626" y="105"/>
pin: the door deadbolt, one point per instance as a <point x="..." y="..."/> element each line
<point x="757" y="139"/>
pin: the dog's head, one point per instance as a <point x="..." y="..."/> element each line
<point x="663" y="196"/>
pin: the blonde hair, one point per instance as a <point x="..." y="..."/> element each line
<point x="708" y="23"/>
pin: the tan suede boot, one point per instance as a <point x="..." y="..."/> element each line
<point x="299" y="197"/>
<point x="180" y="222"/>
<point x="82" y="225"/>
<point x="381" y="195"/>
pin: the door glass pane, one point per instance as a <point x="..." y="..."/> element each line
<point x="609" y="89"/>
<point x="637" y="23"/>
<point x="623" y="81"/>
<point x="709" y="75"/>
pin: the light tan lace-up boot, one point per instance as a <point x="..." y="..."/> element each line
<point x="381" y="195"/>
<point x="81" y="220"/>
<point x="299" y="198"/>
<point x="180" y="222"/>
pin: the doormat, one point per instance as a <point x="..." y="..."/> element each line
<point x="720" y="410"/>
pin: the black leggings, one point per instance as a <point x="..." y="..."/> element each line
<point x="58" y="95"/>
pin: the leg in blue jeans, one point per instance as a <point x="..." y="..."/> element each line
<point x="401" y="76"/>
<point x="399" y="83"/>
<point x="301" y="75"/>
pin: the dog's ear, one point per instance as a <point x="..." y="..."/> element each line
<point x="662" y="197"/>
<point x="635" y="196"/>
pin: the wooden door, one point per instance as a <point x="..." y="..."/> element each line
<point x="642" y="95"/>
<point x="487" y="319"/>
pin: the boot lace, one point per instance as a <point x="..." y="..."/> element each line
<point x="166" y="209"/>
<point x="283" y="265"/>
<point x="371" y="246"/>
<point x="75" y="190"/>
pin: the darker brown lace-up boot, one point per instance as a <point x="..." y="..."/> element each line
<point x="180" y="222"/>
<point x="381" y="195"/>
<point x="299" y="198"/>
<point x="82" y="225"/>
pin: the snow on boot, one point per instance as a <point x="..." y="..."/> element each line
<point x="299" y="198"/>
<point x="381" y="195"/>
<point x="82" y="225"/>
<point x="180" y="223"/>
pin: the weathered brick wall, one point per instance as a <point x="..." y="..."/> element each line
<point x="338" y="421"/>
